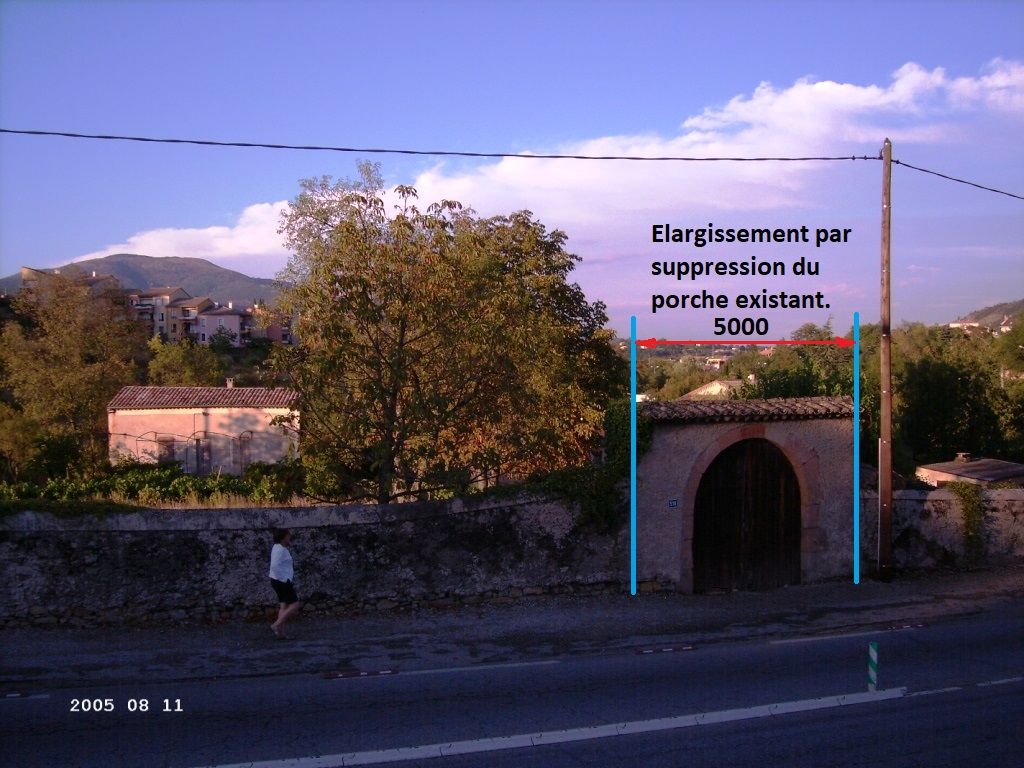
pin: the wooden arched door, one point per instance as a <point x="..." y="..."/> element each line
<point x="746" y="520"/>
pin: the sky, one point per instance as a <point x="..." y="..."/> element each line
<point x="943" y="80"/>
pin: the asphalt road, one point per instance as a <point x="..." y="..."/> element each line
<point x="957" y="688"/>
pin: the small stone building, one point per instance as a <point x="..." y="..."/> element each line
<point x="966" y="468"/>
<point x="205" y="429"/>
<point x="745" y="494"/>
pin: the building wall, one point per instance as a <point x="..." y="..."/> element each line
<point x="235" y="437"/>
<point x="208" y="325"/>
<point x="669" y="474"/>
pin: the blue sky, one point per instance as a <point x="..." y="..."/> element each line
<point x="944" y="80"/>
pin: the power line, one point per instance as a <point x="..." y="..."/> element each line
<point x="961" y="181"/>
<point x="454" y="153"/>
<point x="431" y="152"/>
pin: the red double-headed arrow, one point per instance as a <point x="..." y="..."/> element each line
<point x="838" y="341"/>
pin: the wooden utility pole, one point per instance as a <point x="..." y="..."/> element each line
<point x="885" y="442"/>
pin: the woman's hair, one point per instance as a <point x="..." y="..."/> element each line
<point x="279" y="534"/>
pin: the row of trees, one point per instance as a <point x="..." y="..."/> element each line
<point x="64" y="352"/>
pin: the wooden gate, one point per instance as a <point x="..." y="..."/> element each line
<point x="746" y="520"/>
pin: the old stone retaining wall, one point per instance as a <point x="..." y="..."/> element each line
<point x="928" y="528"/>
<point x="166" y="565"/>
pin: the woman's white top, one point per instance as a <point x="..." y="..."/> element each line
<point x="281" y="563"/>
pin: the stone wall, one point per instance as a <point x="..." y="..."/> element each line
<point x="165" y="565"/>
<point x="928" y="528"/>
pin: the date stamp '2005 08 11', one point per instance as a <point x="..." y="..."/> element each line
<point x="133" y="705"/>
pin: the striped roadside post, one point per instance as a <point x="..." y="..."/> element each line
<point x="872" y="666"/>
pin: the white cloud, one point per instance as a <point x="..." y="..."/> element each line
<point x="808" y="118"/>
<point x="251" y="245"/>
<point x="1001" y="88"/>
<point x="608" y="207"/>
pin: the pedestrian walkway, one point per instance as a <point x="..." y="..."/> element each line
<point x="528" y="629"/>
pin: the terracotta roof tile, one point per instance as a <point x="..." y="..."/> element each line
<point x="202" y="397"/>
<point x="775" y="409"/>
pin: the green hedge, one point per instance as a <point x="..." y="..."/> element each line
<point x="152" y="484"/>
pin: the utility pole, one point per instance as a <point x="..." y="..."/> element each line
<point x="885" y="442"/>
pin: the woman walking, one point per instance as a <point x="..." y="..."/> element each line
<point x="281" y="575"/>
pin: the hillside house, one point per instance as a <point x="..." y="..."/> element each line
<point x="183" y="315"/>
<point x="151" y="306"/>
<point x="205" y="429"/>
<point x="237" y="322"/>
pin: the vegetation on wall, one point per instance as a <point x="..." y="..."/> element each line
<point x="972" y="509"/>
<point x="157" y="485"/>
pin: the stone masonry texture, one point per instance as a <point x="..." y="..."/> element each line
<point x="165" y="565"/>
<point x="162" y="566"/>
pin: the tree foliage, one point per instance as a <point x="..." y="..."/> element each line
<point x="222" y="341"/>
<point x="1011" y="346"/>
<point x="436" y="348"/>
<point x="806" y="371"/>
<point x="60" y="367"/>
<point x="183" y="364"/>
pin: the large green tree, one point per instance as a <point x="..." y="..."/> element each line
<point x="183" y="364"/>
<point x="60" y="366"/>
<point x="436" y="348"/>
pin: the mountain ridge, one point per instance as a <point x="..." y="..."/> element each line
<point x="993" y="315"/>
<point x="197" y="276"/>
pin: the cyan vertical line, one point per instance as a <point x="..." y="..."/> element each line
<point x="632" y="455"/>
<point x="856" y="447"/>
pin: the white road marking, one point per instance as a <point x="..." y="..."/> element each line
<point x="1004" y="681"/>
<point x="935" y="691"/>
<point x="15" y="696"/>
<point x="482" y="667"/>
<point x="669" y="649"/>
<point x="815" y="638"/>
<point x="572" y="734"/>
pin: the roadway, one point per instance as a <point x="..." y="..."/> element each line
<point x="952" y="693"/>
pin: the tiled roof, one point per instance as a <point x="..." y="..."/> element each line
<point x="163" y="290"/>
<point x="775" y="409"/>
<point x="225" y="311"/>
<point x="986" y="470"/>
<point x="202" y="397"/>
<point x="193" y="301"/>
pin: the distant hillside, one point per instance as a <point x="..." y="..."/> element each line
<point x="197" y="276"/>
<point x="992" y="316"/>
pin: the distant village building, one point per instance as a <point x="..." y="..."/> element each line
<point x="968" y="469"/>
<point x="35" y="279"/>
<point x="236" y="322"/>
<point x="184" y="316"/>
<point x="205" y="429"/>
<point x="151" y="306"/>
<point x="174" y="314"/>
